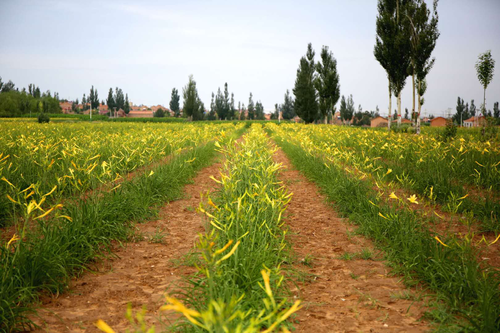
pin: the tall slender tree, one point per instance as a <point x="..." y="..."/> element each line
<point x="485" y="66"/>
<point x="110" y="101"/>
<point x="306" y="98"/>
<point x="251" y="108"/>
<point x="423" y="36"/>
<point x="126" y="106"/>
<point x="327" y="83"/>
<point x="287" y="109"/>
<point x="174" y="102"/>
<point x="191" y="102"/>
<point x="392" y="47"/>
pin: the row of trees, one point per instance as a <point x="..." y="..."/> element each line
<point x="15" y="103"/>
<point x="465" y="111"/>
<point x="116" y="101"/>
<point x="287" y="109"/>
<point x="317" y="86"/>
<point x="222" y="105"/>
<point x="407" y="32"/>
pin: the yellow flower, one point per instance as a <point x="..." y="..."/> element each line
<point x="437" y="238"/>
<point x="100" y="324"/>
<point x="413" y="199"/>
<point x="393" y="196"/>
<point x="16" y="238"/>
<point x="388" y="172"/>
<point x="381" y="215"/>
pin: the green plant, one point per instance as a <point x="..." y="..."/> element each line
<point x="43" y="118"/>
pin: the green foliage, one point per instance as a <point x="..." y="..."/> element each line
<point x="174" y="102"/>
<point x="192" y="103"/>
<point x="327" y="82"/>
<point x="160" y="113"/>
<point x="449" y="132"/>
<point x="346" y="109"/>
<point x="16" y="104"/>
<point x="251" y="108"/>
<point x="485" y="67"/>
<point x="93" y="98"/>
<point x="259" y="111"/>
<point x="306" y="99"/>
<point x="489" y="130"/>
<point x="43" y="118"/>
<point x="288" y="108"/>
<point x="460" y="116"/>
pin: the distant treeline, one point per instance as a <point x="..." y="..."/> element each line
<point x="15" y="103"/>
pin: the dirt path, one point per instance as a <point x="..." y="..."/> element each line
<point x="141" y="273"/>
<point x="355" y="295"/>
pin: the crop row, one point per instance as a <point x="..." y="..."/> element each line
<point x="447" y="265"/>
<point x="463" y="176"/>
<point x="70" y="159"/>
<point x="56" y="242"/>
<point x="239" y="286"/>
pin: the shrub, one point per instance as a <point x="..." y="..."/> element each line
<point x="450" y="131"/>
<point x="43" y="118"/>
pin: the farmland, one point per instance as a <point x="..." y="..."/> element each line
<point x="298" y="226"/>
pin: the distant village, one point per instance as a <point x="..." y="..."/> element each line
<point x="144" y="111"/>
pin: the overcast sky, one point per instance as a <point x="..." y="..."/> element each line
<point x="148" y="47"/>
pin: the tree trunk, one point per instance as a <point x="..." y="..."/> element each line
<point x="484" y="101"/>
<point x="399" y="109"/>
<point x="389" y="118"/>
<point x="413" y="108"/>
<point x="417" y="129"/>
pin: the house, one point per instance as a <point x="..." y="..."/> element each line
<point x="337" y="119"/>
<point x="438" y="122"/>
<point x="140" y="114"/>
<point x="267" y="116"/>
<point x="475" y="122"/>
<point x="405" y="121"/>
<point x="103" y="109"/>
<point x="378" y="122"/>
<point x="120" y="113"/>
<point x="66" y="107"/>
<point x="297" y="119"/>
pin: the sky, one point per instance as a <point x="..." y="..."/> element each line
<point x="149" y="47"/>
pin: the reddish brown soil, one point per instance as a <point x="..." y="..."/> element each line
<point x="340" y="295"/>
<point x="140" y="275"/>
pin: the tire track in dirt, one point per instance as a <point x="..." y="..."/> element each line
<point x="340" y="295"/>
<point x="139" y="275"/>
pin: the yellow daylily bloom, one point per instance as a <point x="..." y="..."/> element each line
<point x="413" y="199"/>
<point x="100" y="324"/>
<point x="393" y="196"/>
<point x="437" y="238"/>
<point x="16" y="238"/>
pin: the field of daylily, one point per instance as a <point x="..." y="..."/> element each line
<point x="410" y="193"/>
<point x="66" y="195"/>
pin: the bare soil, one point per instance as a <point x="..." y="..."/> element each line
<point x="139" y="275"/>
<point x="338" y="295"/>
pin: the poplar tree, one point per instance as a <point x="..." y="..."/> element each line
<point x="174" y="102"/>
<point x="110" y="101"/>
<point x="126" y="106"/>
<point x="327" y="83"/>
<point x="251" y="108"/>
<point x="306" y="99"/>
<point x="485" y="66"/>
<point x="191" y="102"/>
<point x="423" y="36"/>
<point x="392" y="47"/>
<point x="287" y="109"/>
